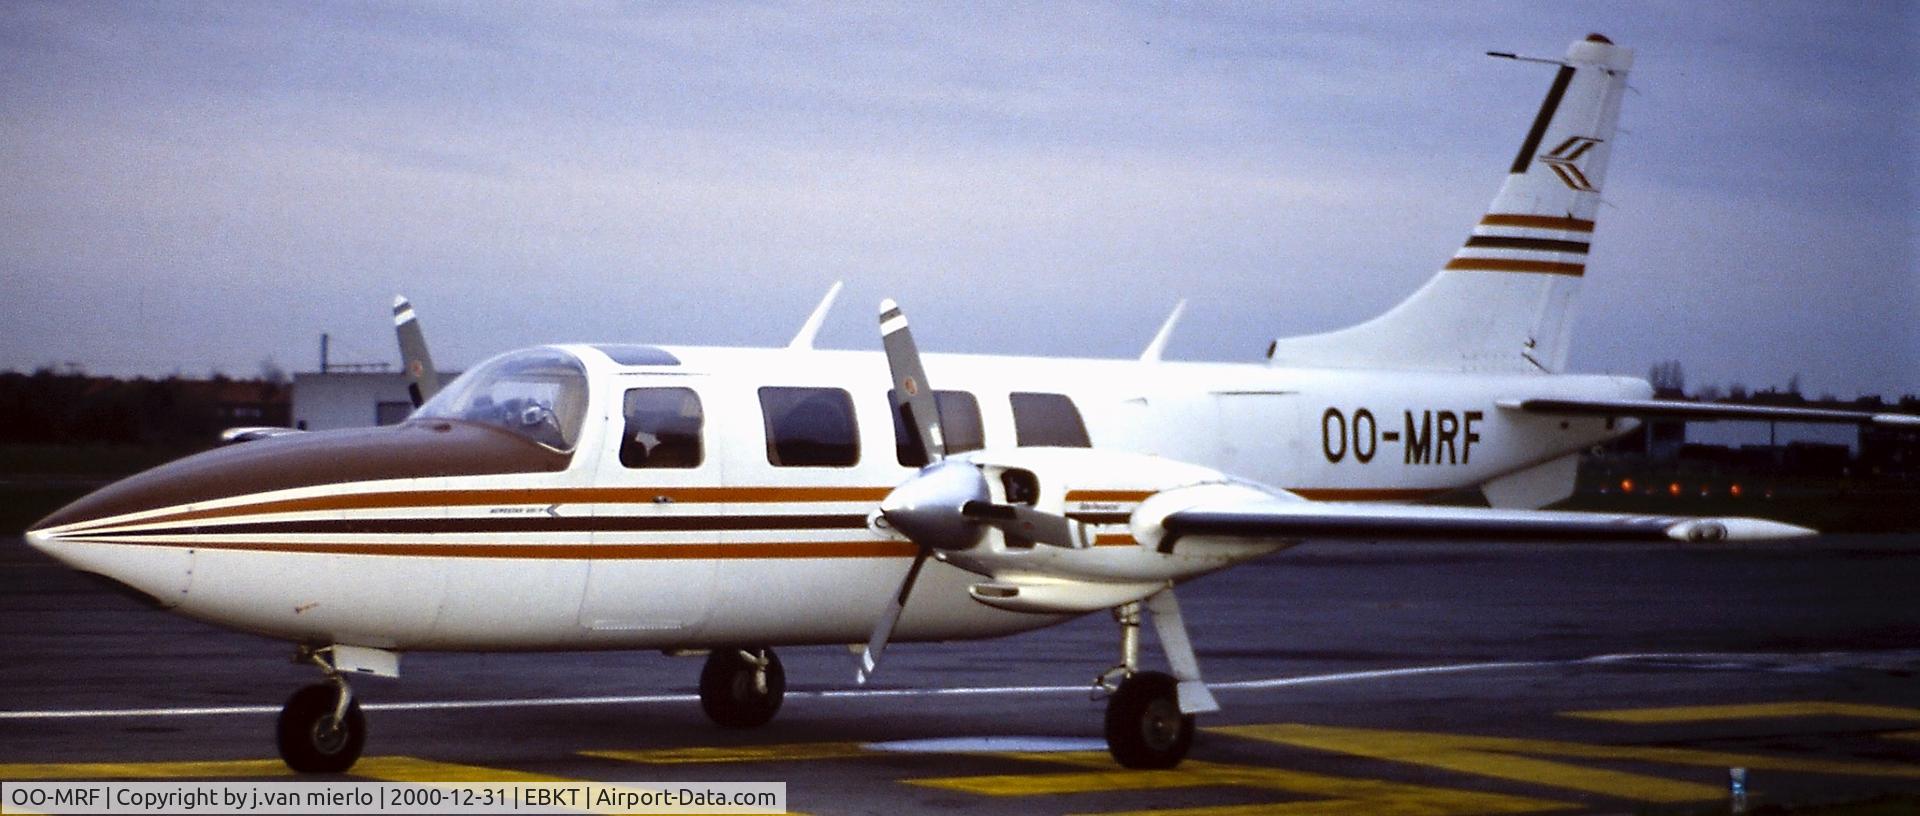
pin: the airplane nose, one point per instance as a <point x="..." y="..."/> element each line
<point x="39" y="540"/>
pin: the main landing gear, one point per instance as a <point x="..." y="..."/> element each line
<point x="742" y="687"/>
<point x="1150" y="714"/>
<point x="321" y="729"/>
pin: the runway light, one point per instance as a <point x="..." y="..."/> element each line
<point x="1735" y="490"/>
<point x="1673" y="489"/>
<point x="1626" y="485"/>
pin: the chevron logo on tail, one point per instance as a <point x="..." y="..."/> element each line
<point x="1563" y="161"/>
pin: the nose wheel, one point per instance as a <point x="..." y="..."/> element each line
<point x="741" y="687"/>
<point x="321" y="729"/>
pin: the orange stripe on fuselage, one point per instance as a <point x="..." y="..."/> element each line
<point x="1108" y="495"/>
<point x="1363" y="494"/>
<point x="611" y="552"/>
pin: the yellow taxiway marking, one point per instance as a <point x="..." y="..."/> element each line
<point x="790" y="752"/>
<point x="1517" y="759"/>
<point x="1334" y="795"/>
<point x="1754" y="711"/>
<point x="409" y="769"/>
<point x="243" y="768"/>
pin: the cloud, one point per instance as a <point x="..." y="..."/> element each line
<point x="1042" y="179"/>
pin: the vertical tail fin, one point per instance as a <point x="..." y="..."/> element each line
<point x="1504" y="302"/>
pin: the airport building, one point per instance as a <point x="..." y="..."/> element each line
<point x="325" y="400"/>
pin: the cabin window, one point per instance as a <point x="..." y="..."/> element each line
<point x="959" y="423"/>
<point x="810" y="427"/>
<point x="663" y="428"/>
<point x="1047" y="420"/>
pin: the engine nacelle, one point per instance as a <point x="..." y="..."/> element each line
<point x="1089" y="546"/>
<point x="1054" y="596"/>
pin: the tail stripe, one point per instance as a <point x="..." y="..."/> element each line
<point x="1512" y="265"/>
<point x="1537" y="222"/>
<point x="1516" y="242"/>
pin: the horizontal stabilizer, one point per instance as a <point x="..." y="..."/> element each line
<point x="235" y="436"/>
<point x="1705" y="411"/>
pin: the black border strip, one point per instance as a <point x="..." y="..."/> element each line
<point x="1545" y="117"/>
<point x="1508" y="242"/>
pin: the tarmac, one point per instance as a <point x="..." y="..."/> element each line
<point x="1447" y="678"/>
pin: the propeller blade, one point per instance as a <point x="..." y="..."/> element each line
<point x="883" y="629"/>
<point x="422" y="380"/>
<point x="1023" y="521"/>
<point x="910" y="389"/>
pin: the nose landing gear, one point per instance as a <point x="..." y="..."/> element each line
<point x="742" y="687"/>
<point x="321" y="729"/>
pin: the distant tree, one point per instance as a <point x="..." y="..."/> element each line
<point x="1667" y="378"/>
<point x="1793" y="384"/>
<point x="1737" y="391"/>
<point x="1710" y="393"/>
<point x="271" y="371"/>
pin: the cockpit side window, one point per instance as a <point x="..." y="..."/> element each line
<point x="959" y="424"/>
<point x="663" y="428"/>
<point x="810" y="427"/>
<point x="1047" y="420"/>
<point x="540" y="394"/>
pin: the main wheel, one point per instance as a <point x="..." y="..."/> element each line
<point x="310" y="742"/>
<point x="737" y="691"/>
<point x="1145" y="728"/>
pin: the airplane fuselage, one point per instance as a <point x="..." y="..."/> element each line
<point x="438" y="544"/>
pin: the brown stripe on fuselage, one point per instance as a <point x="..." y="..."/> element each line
<point x="1510" y="265"/>
<point x="1108" y="495"/>
<point x="1114" y="540"/>
<point x="1537" y="222"/>
<point x="1365" y="493"/>
<point x="388" y="500"/>
<point x="611" y="552"/>
<point x="511" y="524"/>
<point x="1101" y="518"/>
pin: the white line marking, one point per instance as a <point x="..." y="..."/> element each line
<point x="1722" y="661"/>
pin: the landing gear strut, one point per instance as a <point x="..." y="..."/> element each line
<point x="321" y="729"/>
<point x="1150" y="714"/>
<point x="742" y="687"/>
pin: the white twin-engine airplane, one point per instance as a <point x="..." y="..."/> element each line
<point x="729" y="500"/>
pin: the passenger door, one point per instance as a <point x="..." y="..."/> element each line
<point x="657" y="536"/>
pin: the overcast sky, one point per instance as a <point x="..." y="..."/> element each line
<point x="190" y="187"/>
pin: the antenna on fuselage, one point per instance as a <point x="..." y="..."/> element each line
<point x="803" y="339"/>
<point x="1159" y="344"/>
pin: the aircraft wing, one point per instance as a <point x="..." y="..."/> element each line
<point x="1703" y="411"/>
<point x="1281" y="519"/>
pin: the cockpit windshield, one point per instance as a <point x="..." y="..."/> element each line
<point x="540" y="394"/>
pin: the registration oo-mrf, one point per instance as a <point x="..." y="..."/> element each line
<point x="727" y="501"/>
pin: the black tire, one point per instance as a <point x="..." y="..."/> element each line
<point x="729" y="694"/>
<point x="1145" y="728"/>
<point x="308" y="741"/>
